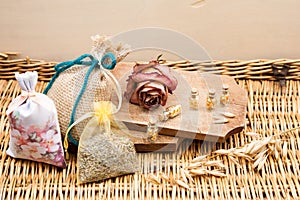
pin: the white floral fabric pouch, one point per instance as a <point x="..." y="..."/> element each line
<point x="35" y="133"/>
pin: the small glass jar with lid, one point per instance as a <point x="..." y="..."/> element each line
<point x="224" y="99"/>
<point x="194" y="99"/>
<point x="211" y="100"/>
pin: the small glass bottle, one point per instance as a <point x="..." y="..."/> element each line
<point x="224" y="99"/>
<point x="170" y="112"/>
<point x="211" y="100"/>
<point x="152" y="130"/>
<point x="194" y="99"/>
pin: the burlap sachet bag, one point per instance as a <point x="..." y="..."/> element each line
<point x="79" y="83"/>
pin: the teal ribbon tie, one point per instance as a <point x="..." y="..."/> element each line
<point x="105" y="61"/>
<point x="61" y="67"/>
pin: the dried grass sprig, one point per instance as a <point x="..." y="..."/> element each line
<point x="256" y="152"/>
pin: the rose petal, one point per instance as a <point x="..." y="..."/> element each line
<point x="150" y="70"/>
<point x="160" y="89"/>
<point x="161" y="70"/>
<point x="151" y="101"/>
<point x="155" y="84"/>
<point x="167" y="72"/>
<point x="149" y="84"/>
<point x="134" y="97"/>
<point x="150" y="88"/>
<point x="140" y="67"/>
<point x="153" y="93"/>
<point x="164" y="98"/>
<point x="131" y="85"/>
<point x="154" y="76"/>
<point x="146" y="89"/>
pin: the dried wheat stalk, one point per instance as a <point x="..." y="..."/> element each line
<point x="256" y="152"/>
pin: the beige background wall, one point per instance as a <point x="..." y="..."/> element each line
<point x="228" y="29"/>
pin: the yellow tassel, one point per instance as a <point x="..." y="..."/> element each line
<point x="103" y="111"/>
<point x="67" y="155"/>
<point x="66" y="144"/>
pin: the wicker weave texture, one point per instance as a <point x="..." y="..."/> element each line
<point x="252" y="69"/>
<point x="271" y="110"/>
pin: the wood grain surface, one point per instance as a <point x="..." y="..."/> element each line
<point x="194" y="124"/>
<point x="162" y="144"/>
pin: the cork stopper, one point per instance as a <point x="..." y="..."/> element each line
<point x="225" y="87"/>
<point x="152" y="130"/>
<point x="211" y="92"/>
<point x="152" y="121"/>
<point x="164" y="116"/>
<point x="194" y="92"/>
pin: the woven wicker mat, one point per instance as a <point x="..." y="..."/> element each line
<point x="271" y="109"/>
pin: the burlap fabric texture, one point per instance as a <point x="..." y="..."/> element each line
<point x="65" y="91"/>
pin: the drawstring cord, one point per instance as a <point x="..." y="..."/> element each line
<point x="104" y="67"/>
<point x="61" y="67"/>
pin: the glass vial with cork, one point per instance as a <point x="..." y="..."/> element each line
<point x="152" y="130"/>
<point x="211" y="100"/>
<point x="224" y="99"/>
<point x="170" y="112"/>
<point x="194" y="99"/>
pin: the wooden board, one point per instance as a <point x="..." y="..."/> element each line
<point x="162" y="144"/>
<point x="142" y="145"/>
<point x="190" y="124"/>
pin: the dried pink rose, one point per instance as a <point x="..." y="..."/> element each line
<point x="149" y="85"/>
